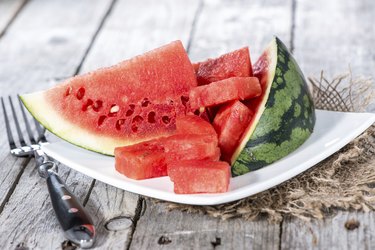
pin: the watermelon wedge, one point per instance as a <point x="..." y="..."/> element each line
<point x="215" y="93"/>
<point x="233" y="64"/>
<point x="133" y="101"/>
<point x="284" y="114"/>
<point x="230" y="123"/>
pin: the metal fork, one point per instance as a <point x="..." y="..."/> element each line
<point x="74" y="220"/>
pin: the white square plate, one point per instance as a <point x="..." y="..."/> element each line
<point x="332" y="131"/>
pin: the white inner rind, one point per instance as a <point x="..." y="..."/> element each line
<point x="271" y="53"/>
<point x="37" y="105"/>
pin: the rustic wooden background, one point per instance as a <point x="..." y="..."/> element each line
<point x="44" y="41"/>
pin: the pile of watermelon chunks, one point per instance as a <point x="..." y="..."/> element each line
<point x="197" y="156"/>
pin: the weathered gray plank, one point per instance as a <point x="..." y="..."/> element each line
<point x="10" y="172"/>
<point x="44" y="42"/>
<point x="134" y="28"/>
<point x="160" y="229"/>
<point x="11" y="167"/>
<point x="113" y="211"/>
<point x="221" y="26"/>
<point x="33" y="51"/>
<point x="28" y="219"/>
<point x="131" y="29"/>
<point x="343" y="231"/>
<point x="335" y="36"/>
<point x="9" y="10"/>
<point x="227" y="25"/>
<point x="330" y="39"/>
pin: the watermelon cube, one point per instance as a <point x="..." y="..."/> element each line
<point x="230" y="122"/>
<point x="192" y="124"/>
<point x="235" y="63"/>
<point x="186" y="147"/>
<point x="141" y="164"/>
<point x="235" y="88"/>
<point x="199" y="176"/>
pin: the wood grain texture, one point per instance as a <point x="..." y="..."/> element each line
<point x="133" y="29"/>
<point x="30" y="62"/>
<point x="221" y="26"/>
<point x="10" y="172"/>
<point x="159" y="228"/>
<point x="45" y="42"/>
<point x="113" y="211"/>
<point x="11" y="167"/>
<point x="329" y="38"/>
<point x="343" y="231"/>
<point x="9" y="9"/>
<point x="335" y="35"/>
<point x="28" y="219"/>
<point x="331" y="35"/>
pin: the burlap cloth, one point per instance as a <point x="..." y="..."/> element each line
<point x="346" y="180"/>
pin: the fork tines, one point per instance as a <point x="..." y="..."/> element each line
<point x="20" y="123"/>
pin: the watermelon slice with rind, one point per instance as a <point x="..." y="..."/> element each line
<point x="284" y="113"/>
<point x="133" y="101"/>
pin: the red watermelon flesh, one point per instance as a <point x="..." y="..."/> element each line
<point x="141" y="164"/>
<point x="192" y="124"/>
<point x="230" y="122"/>
<point x="149" y="159"/>
<point x="234" y="64"/>
<point x="261" y="68"/>
<point x="235" y="88"/>
<point x="199" y="176"/>
<point x="185" y="147"/>
<point x="194" y="138"/>
<point x="204" y="114"/>
<point x="196" y="67"/>
<point x="135" y="100"/>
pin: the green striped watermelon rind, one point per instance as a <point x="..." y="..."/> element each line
<point x="286" y="117"/>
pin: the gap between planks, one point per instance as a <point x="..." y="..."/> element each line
<point x="18" y="6"/>
<point x="27" y="175"/>
<point x="15" y="182"/>
<point x="78" y="69"/>
<point x="293" y="25"/>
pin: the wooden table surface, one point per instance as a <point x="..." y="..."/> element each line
<point x="44" y="41"/>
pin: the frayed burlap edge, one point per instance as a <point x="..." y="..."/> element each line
<point x="346" y="180"/>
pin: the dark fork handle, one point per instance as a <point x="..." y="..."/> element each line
<point x="74" y="220"/>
